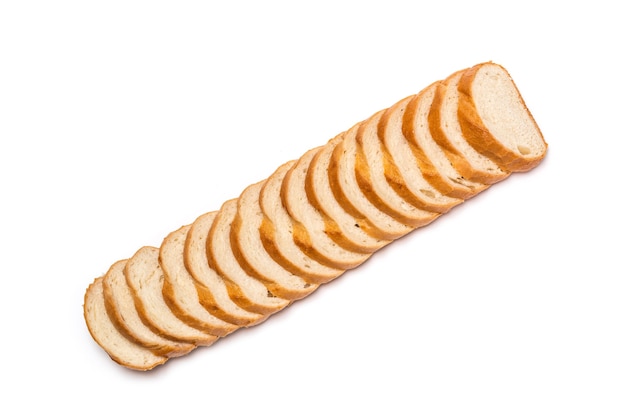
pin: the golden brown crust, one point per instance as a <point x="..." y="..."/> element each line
<point x="242" y="289"/>
<point x="294" y="290"/>
<point x="427" y="199"/>
<point x="332" y="229"/>
<point x="458" y="160"/>
<point x="262" y="306"/>
<point x="451" y="187"/>
<point x="128" y="326"/>
<point x="119" y="348"/>
<point x="334" y="175"/>
<point x="179" y="290"/>
<point x="207" y="280"/>
<point x="480" y="137"/>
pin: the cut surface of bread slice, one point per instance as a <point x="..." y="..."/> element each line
<point x="446" y="131"/>
<point x="212" y="290"/>
<point x="120" y="306"/>
<point x="114" y="343"/>
<point x="245" y="238"/>
<point x="402" y="169"/>
<point x="433" y="161"/>
<point x="343" y="182"/>
<point x="348" y="231"/>
<point x="179" y="290"/>
<point x="370" y="175"/>
<point x="145" y="277"/>
<point x="248" y="292"/>
<point x="309" y="227"/>
<point x="276" y="232"/>
<point x="496" y="121"/>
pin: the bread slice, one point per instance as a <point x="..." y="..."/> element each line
<point x="370" y="175"/>
<point x="120" y="306"/>
<point x="245" y="290"/>
<point x="114" y="343"/>
<point x="345" y="229"/>
<point x="245" y="239"/>
<point x="145" y="277"/>
<point x="343" y="182"/>
<point x="276" y="232"/>
<point x="211" y="287"/>
<point x="402" y="169"/>
<point x="435" y="165"/>
<point x="179" y="290"/>
<point x="446" y="132"/>
<point x="496" y="121"/>
<point x="309" y="228"/>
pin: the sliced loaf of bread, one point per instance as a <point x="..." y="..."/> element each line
<point x="314" y="218"/>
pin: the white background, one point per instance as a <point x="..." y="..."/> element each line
<point x="122" y="120"/>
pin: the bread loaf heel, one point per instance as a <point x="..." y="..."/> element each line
<point x="496" y="121"/>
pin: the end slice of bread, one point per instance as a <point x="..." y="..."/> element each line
<point x="115" y="344"/>
<point x="446" y="131"/>
<point x="495" y="120"/>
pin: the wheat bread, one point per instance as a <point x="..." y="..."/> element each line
<point x="345" y="229"/>
<point x="345" y="188"/>
<point x="433" y="162"/>
<point x="211" y="287"/>
<point x="495" y="120"/>
<point x="145" y="277"/>
<point x="369" y="167"/>
<point x="309" y="226"/>
<point x="245" y="239"/>
<point x="276" y="232"/>
<point x="179" y="290"/>
<point x="115" y="344"/>
<point x="120" y="305"/>
<point x="446" y="131"/>
<point x="245" y="290"/>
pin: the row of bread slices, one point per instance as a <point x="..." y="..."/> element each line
<point x="314" y="218"/>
